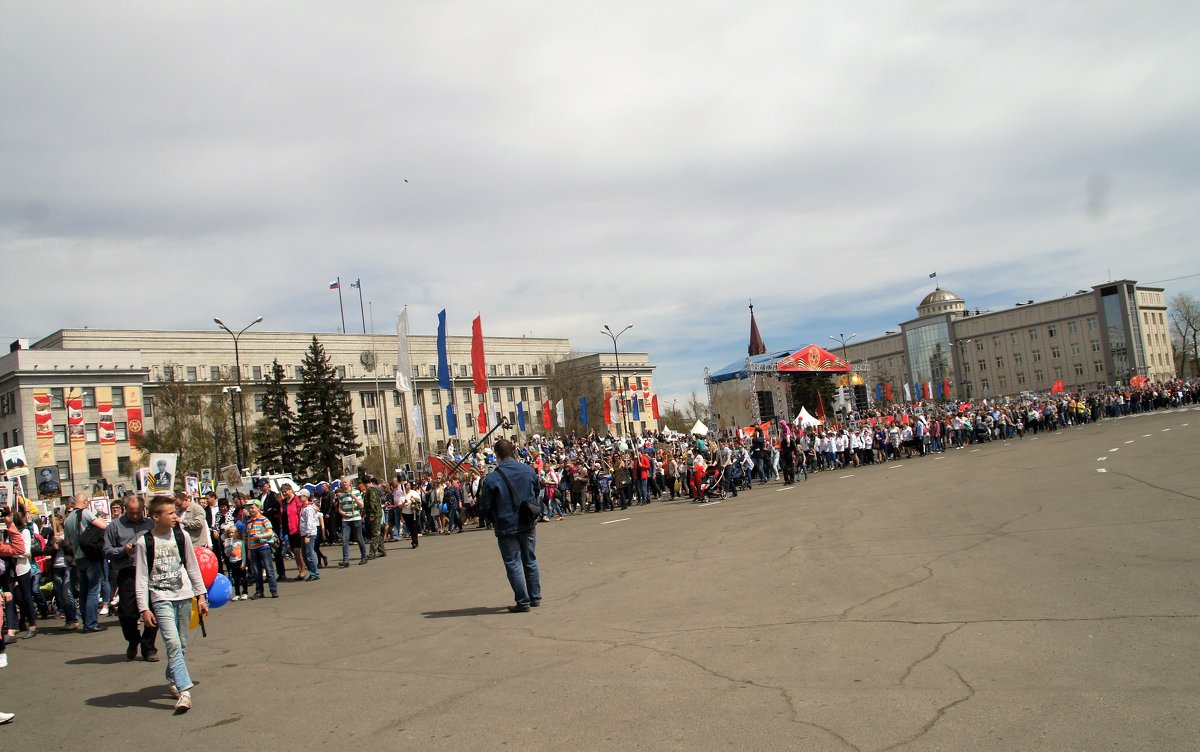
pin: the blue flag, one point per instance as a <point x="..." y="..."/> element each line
<point x="879" y="392"/>
<point x="451" y="422"/>
<point x="443" y="358"/>
<point x="635" y="409"/>
<point x="583" y="410"/>
<point x="521" y="415"/>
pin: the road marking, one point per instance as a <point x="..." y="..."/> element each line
<point x="893" y="467"/>
<point x="1166" y="429"/>
<point x="851" y="475"/>
<point x="785" y="488"/>
<point x="1101" y="459"/>
<point x="974" y="450"/>
<point x="1033" y="438"/>
<point x="710" y="503"/>
<point x="939" y="458"/>
<point x="620" y="520"/>
<point x="1183" y="424"/>
<point x="1101" y="470"/>
<point x="1131" y="441"/>
<point x="1115" y="449"/>
<point x="1145" y="436"/>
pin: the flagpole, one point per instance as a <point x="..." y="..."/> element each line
<point x="341" y="307"/>
<point x="383" y="431"/>
<point x="408" y="433"/>
<point x="358" y="284"/>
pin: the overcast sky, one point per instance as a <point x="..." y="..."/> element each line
<point x="558" y="166"/>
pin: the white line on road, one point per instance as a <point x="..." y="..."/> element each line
<point x="1166" y="429"/>
<point x="1115" y="449"/>
<point x="939" y="458"/>
<point x="1183" y="424"/>
<point x="1101" y="459"/>
<point x="785" y="488"/>
<point x="974" y="450"/>
<point x="1131" y="441"/>
<point x="612" y="521"/>
<point x="1101" y="470"/>
<point x="851" y="475"/>
<point x="708" y="504"/>
<point x="1145" y="436"/>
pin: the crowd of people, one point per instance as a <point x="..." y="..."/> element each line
<point x="78" y="567"/>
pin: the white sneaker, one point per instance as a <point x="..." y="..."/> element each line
<point x="184" y="703"/>
<point x="4" y="660"/>
<point x="174" y="692"/>
<point x="6" y="718"/>
<point x="104" y="610"/>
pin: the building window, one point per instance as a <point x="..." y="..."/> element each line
<point x="214" y="373"/>
<point x="1055" y="352"/>
<point x="89" y="397"/>
<point x="1058" y="372"/>
<point x="122" y="431"/>
<point x="524" y="394"/>
<point x="94" y="467"/>
<point x="1018" y="358"/>
<point x="366" y="399"/>
<point x="495" y="394"/>
<point x="1037" y="356"/>
<point x="1078" y="369"/>
<point x="123" y="466"/>
<point x="1091" y="323"/>
<point x="437" y="420"/>
<point x="966" y="366"/>
<point x="982" y="365"/>
<point x="979" y="345"/>
<point x="512" y="419"/>
<point x="508" y="370"/>
<point x="191" y="373"/>
<point x="1003" y="381"/>
<point x="370" y="427"/>
<point x="1095" y="345"/>
<point x="90" y="433"/>
<point x="60" y="434"/>
<point x="1033" y="334"/>
<point x="462" y="370"/>
<point x="534" y="369"/>
<point x="1052" y="331"/>
<point x="996" y="342"/>
<point x="148" y="407"/>
<point x="537" y="393"/>
<point x="1072" y="327"/>
<point x="168" y="373"/>
<point x="436" y="396"/>
<point x="341" y="372"/>
<point x="1039" y="376"/>
<point x="510" y="395"/>
<point x="396" y="401"/>
<point x="1014" y="338"/>
<point x="612" y="382"/>
<point x="1075" y="348"/>
<point x="56" y="399"/>
<point x="470" y="418"/>
<point x="492" y="370"/>
<point x="256" y="373"/>
<point x="258" y="402"/>
<point x="985" y="385"/>
<point x="1020" y="377"/>
<point x="521" y="370"/>
<point x="400" y="427"/>
<point x="999" y="361"/>
<point x="416" y="372"/>
<point x="118" y="397"/>
<point x="1098" y="366"/>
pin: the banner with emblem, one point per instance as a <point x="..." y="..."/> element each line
<point x="135" y="427"/>
<point x="108" y="431"/>
<point x="75" y="432"/>
<point x="43" y="422"/>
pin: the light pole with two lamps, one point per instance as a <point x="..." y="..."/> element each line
<point x="846" y="357"/>
<point x="621" y="379"/>
<point x="241" y="411"/>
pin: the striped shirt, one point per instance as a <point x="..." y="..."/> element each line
<point x="259" y="532"/>
<point x="349" y="506"/>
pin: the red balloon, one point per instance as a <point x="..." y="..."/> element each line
<point x="208" y="565"/>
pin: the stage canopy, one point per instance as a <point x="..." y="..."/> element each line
<point x="811" y="359"/>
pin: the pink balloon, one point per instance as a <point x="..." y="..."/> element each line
<point x="208" y="565"/>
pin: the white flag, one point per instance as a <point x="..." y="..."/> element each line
<point x="403" y="362"/>
<point x="418" y="427"/>
<point x="560" y="414"/>
<point x="907" y="393"/>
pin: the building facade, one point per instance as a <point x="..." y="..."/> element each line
<point x="519" y="370"/>
<point x="598" y="377"/>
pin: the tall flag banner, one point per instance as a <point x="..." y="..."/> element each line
<point x="443" y="357"/>
<point x="946" y="389"/>
<point x="478" y="363"/>
<point x="887" y="391"/>
<point x="482" y="420"/>
<point x="636" y="414"/>
<point x="608" y="408"/>
<point x="135" y="426"/>
<point x="1058" y="386"/>
<point x="560" y="414"/>
<point x="907" y="392"/>
<point x="654" y="407"/>
<point x="928" y="389"/>
<point x="451" y="421"/>
<point x="521" y="416"/>
<point x="75" y="432"/>
<point x="583" y="410"/>
<point x="821" y="408"/>
<point x="418" y="424"/>
<point x="403" y="361"/>
<point x="879" y="392"/>
<point x="547" y="420"/>
<point x="438" y="468"/>
<point x="43" y="422"/>
<point x="108" y="431"/>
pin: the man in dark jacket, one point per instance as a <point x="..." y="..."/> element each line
<point x="501" y="494"/>
<point x="120" y="540"/>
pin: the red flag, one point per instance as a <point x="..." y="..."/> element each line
<point x="946" y="389"/>
<point x="820" y="408"/>
<point x="654" y="406"/>
<point x="872" y="422"/>
<point x="482" y="417"/>
<point x="756" y="341"/>
<point x="964" y="407"/>
<point x="1058" y="386"/>
<point x="887" y="392"/>
<point x="478" y="364"/>
<point x="608" y="408"/>
<point x="904" y="419"/>
<point x="547" y="420"/>
<point x="438" y="468"/>
<point x="890" y="420"/>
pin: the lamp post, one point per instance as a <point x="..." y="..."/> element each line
<point x="241" y="411"/>
<point x="621" y="379"/>
<point x="846" y="357"/>
<point x="962" y="360"/>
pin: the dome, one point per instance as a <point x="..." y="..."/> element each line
<point x="940" y="296"/>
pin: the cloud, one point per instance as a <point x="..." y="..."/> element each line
<point x="574" y="165"/>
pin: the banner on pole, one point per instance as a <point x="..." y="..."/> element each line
<point x="403" y="361"/>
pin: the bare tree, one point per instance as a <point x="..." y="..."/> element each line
<point x="1184" y="312"/>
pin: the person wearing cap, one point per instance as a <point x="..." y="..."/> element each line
<point x="259" y="536"/>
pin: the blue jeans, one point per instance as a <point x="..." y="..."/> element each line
<point x="173" y="618"/>
<point x="521" y="565"/>
<point x="64" y="594"/>
<point x="355" y="527"/>
<point x="90" y="574"/>
<point x="643" y="487"/>
<point x="262" y="560"/>
<point x="310" y="556"/>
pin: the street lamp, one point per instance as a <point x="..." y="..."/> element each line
<point x="846" y="357"/>
<point x="965" y="392"/>
<point x="237" y="358"/>
<point x="620" y="400"/>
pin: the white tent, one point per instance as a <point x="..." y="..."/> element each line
<point x="805" y="420"/>
<point x="700" y="428"/>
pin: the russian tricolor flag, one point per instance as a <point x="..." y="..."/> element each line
<point x="334" y="285"/>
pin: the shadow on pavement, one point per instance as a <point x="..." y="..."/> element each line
<point x="101" y="660"/>
<point x="476" y="611"/>
<point x="155" y="696"/>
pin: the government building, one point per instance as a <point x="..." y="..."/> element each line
<point x="124" y="371"/>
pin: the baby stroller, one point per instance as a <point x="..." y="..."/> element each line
<point x="712" y="485"/>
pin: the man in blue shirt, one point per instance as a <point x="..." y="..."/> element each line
<point x="502" y="494"/>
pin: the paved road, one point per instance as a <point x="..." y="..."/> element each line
<point x="1013" y="598"/>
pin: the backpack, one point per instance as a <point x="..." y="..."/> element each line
<point x="91" y="539"/>
<point x="149" y="538"/>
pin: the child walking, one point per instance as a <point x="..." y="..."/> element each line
<point x="167" y="579"/>
<point x="235" y="559"/>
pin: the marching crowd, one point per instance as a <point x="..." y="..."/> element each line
<point x="141" y="563"/>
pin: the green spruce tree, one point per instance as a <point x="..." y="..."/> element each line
<point x="324" y="428"/>
<point x="275" y="441"/>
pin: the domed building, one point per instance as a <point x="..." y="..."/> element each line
<point x="941" y="301"/>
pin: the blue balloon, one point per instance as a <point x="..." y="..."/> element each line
<point x="220" y="592"/>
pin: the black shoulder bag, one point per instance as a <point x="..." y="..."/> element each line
<point x="530" y="509"/>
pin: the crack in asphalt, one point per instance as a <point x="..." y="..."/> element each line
<point x="941" y="641"/>
<point x="938" y="714"/>
<point x="1160" y="488"/>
